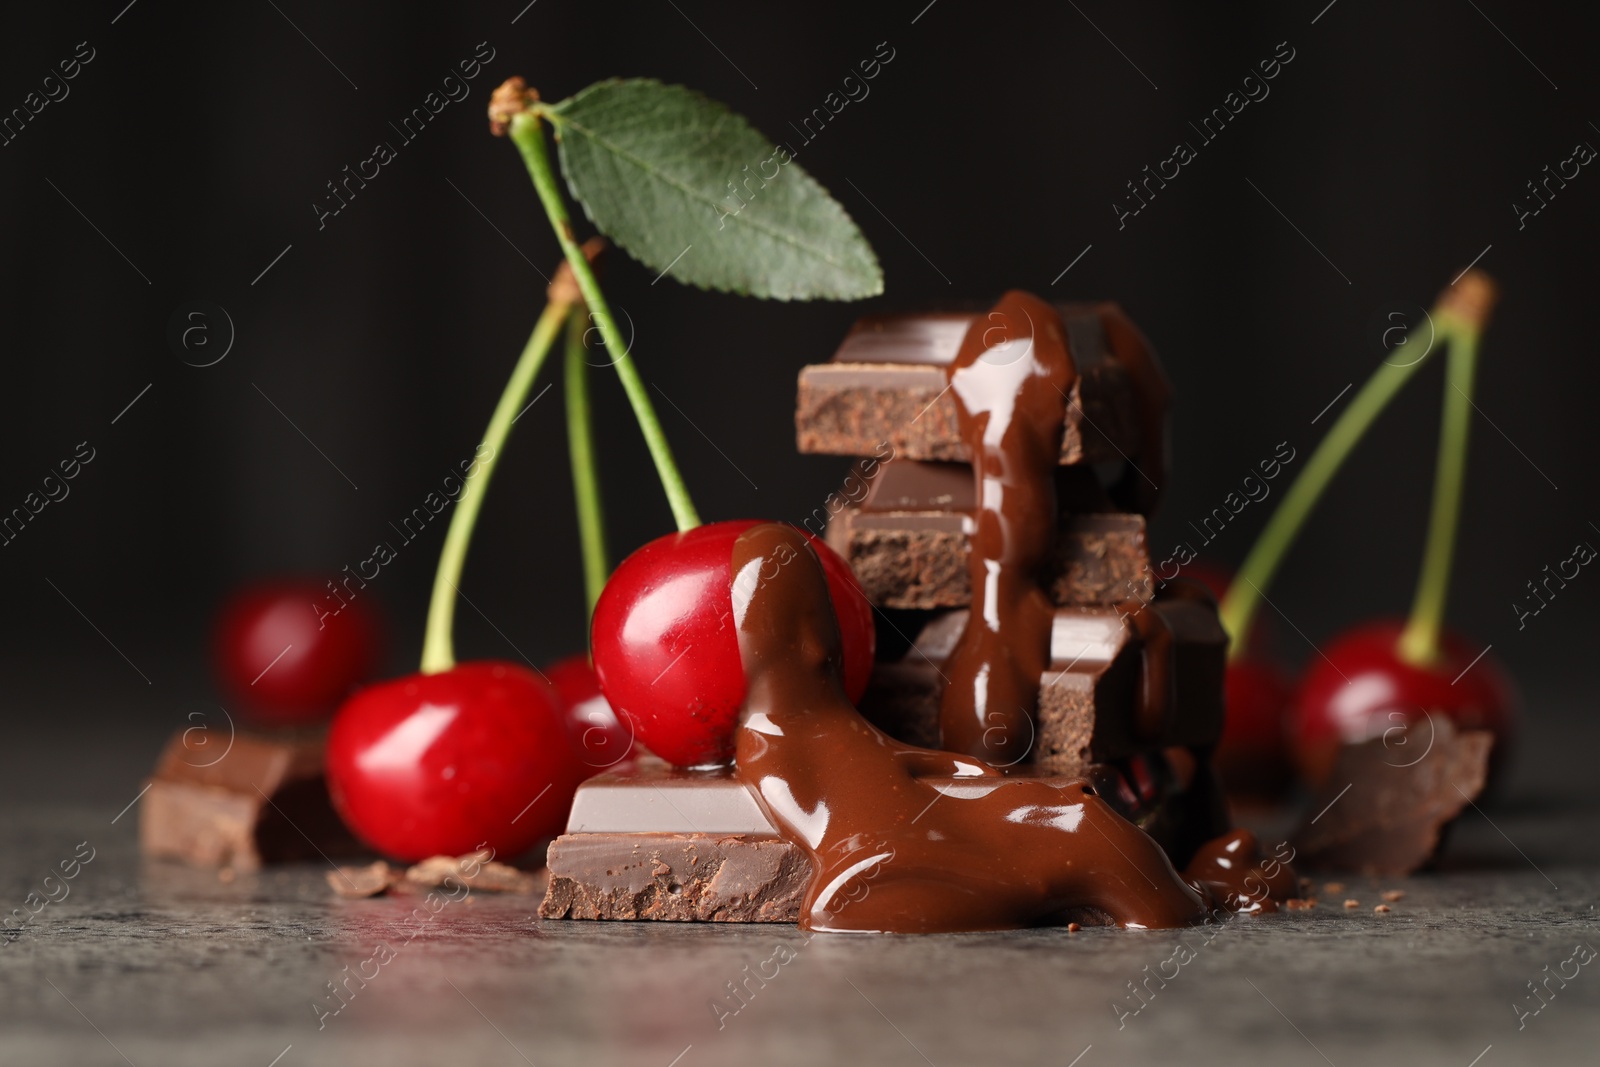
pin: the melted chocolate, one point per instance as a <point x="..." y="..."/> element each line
<point x="1231" y="870"/>
<point x="890" y="851"/>
<point x="1011" y="379"/>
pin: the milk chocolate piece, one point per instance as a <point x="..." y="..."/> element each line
<point x="263" y="801"/>
<point x="907" y="537"/>
<point x="675" y="877"/>
<point x="1385" y="809"/>
<point x="917" y="557"/>
<point x="884" y="392"/>
<point x="1089" y="698"/>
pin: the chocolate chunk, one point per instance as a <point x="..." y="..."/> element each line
<point x="884" y="393"/>
<point x="675" y="877"/>
<point x="1089" y="698"/>
<point x="918" y="559"/>
<point x="1384" y="811"/>
<point x="264" y="801"/>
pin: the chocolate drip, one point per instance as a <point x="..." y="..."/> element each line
<point x="891" y="851"/>
<point x="1011" y="380"/>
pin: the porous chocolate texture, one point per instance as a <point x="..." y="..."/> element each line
<point x="885" y="389"/>
<point x="256" y="801"/>
<point x="907" y="538"/>
<point x="1089" y="699"/>
<point x="673" y="877"/>
<point x="1385" y="809"/>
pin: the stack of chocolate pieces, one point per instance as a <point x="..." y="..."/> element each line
<point x="903" y="516"/>
<point x="651" y="842"/>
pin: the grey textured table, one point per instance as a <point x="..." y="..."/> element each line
<point x="157" y="964"/>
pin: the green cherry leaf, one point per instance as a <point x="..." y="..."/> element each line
<point x="694" y="191"/>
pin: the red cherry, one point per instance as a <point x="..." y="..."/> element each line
<point x="1253" y="756"/>
<point x="1361" y="689"/>
<point x="284" y="653"/>
<point x="441" y="764"/>
<point x="600" y="738"/>
<point x="666" y="651"/>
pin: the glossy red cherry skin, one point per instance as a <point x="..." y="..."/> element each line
<point x="288" y="652"/>
<point x="666" y="649"/>
<point x="1367" y="689"/>
<point x="601" y="739"/>
<point x="1253" y="756"/>
<point x="442" y="764"/>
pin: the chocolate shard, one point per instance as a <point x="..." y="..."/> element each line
<point x="263" y="801"/>
<point x="884" y="393"/>
<point x="675" y="877"/>
<point x="1089" y="699"/>
<point x="907" y="539"/>
<point x="1385" y="809"/>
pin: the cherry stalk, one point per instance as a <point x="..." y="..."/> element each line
<point x="515" y="109"/>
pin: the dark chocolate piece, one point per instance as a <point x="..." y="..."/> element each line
<point x="1385" y="809"/>
<point x="884" y="393"/>
<point x="675" y="877"/>
<point x="263" y="801"/>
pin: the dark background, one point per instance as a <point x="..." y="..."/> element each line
<point x="995" y="140"/>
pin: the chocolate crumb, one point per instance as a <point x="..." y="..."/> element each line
<point x="353" y="883"/>
<point x="1352" y="903"/>
<point x="1394" y="895"/>
<point x="1073" y="928"/>
<point x="486" y="875"/>
<point x="1381" y="908"/>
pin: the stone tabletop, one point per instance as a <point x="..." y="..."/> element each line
<point x="150" y="963"/>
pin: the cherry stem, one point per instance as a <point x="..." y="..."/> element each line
<point x="438" y="647"/>
<point x="580" y="449"/>
<point x="1248" y="588"/>
<point x="1419" y="642"/>
<point x="528" y="134"/>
